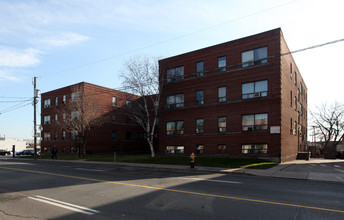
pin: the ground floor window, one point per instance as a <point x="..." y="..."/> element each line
<point x="254" y="149"/>
<point x="199" y="149"/>
<point x="174" y="149"/>
<point x="222" y="148"/>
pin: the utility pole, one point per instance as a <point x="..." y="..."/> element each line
<point x="35" y="95"/>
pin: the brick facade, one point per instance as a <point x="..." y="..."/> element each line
<point x="116" y="133"/>
<point x="276" y="140"/>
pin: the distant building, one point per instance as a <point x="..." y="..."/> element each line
<point x="118" y="133"/>
<point x="7" y="144"/>
<point x="243" y="98"/>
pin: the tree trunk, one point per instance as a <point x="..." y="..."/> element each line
<point x="151" y="148"/>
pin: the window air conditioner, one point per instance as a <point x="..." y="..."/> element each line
<point x="257" y="94"/>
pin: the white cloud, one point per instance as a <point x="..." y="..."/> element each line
<point x="18" y="58"/>
<point x="4" y="75"/>
<point x="64" y="39"/>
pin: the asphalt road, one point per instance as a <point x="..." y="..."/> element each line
<point x="36" y="190"/>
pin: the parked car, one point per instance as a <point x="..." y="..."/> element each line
<point x="4" y="152"/>
<point x="25" y="152"/>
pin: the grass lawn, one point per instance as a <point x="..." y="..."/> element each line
<point x="249" y="163"/>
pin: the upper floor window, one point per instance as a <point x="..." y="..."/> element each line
<point x="200" y="126"/>
<point x="222" y="124"/>
<point x="256" y="89"/>
<point x="254" y="57"/>
<point x="221" y="63"/>
<point x="129" y="104"/>
<point x="74" y="96"/>
<point x="199" y="97"/>
<point x="47" y="103"/>
<point x="63" y="135"/>
<point x="295" y="103"/>
<point x="295" y="78"/>
<point x="75" y="115"/>
<point x="56" y="101"/>
<point x="255" y="122"/>
<point x="175" y="74"/>
<point x="56" y="117"/>
<point x="113" y="118"/>
<point x="74" y="135"/>
<point x="114" y="101"/>
<point x="175" y="101"/>
<point x="221" y="94"/>
<point x="200" y="68"/>
<point x="64" y="99"/>
<point x="47" y="120"/>
<point x="175" y="128"/>
<point x="113" y="135"/>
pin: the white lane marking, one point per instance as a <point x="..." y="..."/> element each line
<point x="89" y="169"/>
<point x="220" y="181"/>
<point x="66" y="205"/>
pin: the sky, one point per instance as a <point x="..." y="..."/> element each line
<point x="63" y="42"/>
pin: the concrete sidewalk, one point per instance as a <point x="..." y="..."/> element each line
<point x="314" y="169"/>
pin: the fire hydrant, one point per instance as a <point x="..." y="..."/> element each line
<point x="192" y="162"/>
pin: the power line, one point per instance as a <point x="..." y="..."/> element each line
<point x="166" y="41"/>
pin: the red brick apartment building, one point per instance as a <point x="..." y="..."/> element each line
<point x="243" y="98"/>
<point x="118" y="131"/>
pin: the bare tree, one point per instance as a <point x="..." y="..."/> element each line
<point x="141" y="77"/>
<point x="328" y="123"/>
<point x="80" y="114"/>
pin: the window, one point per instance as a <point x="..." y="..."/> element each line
<point x="56" y="117"/>
<point x="199" y="149"/>
<point x="55" y="136"/>
<point x="129" y="120"/>
<point x="175" y="128"/>
<point x="138" y="136"/>
<point x="222" y="148"/>
<point x="295" y="103"/>
<point x="200" y="126"/>
<point x="221" y="122"/>
<point x="174" y="149"/>
<point x="256" y="89"/>
<point x="75" y="115"/>
<point x="221" y="94"/>
<point x="298" y="117"/>
<point x="256" y="122"/>
<point x="291" y="126"/>
<point x="200" y="68"/>
<point x="74" y="96"/>
<point x="175" y="101"/>
<point x="128" y="135"/>
<point x="63" y="135"/>
<point x="254" y="57"/>
<point x="129" y="104"/>
<point x="175" y="74"/>
<point x="291" y="71"/>
<point x="254" y="149"/>
<point x="295" y="128"/>
<point x="113" y="118"/>
<point x="221" y="63"/>
<point x="114" y="101"/>
<point x="301" y="109"/>
<point x="46" y="136"/>
<point x="298" y="94"/>
<point x="113" y="135"/>
<point x="74" y="135"/>
<point x="64" y="116"/>
<point x="46" y="103"/>
<point x="291" y="98"/>
<point x="295" y="78"/>
<point x="64" y="99"/>
<point x="199" y="97"/>
<point x="301" y="89"/>
<point x="47" y="120"/>
<point x="56" y="101"/>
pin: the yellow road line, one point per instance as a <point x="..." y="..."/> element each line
<point x="182" y="191"/>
